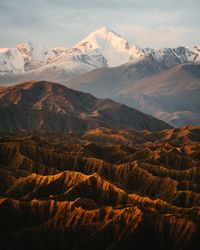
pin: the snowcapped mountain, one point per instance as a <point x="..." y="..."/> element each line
<point x="103" y="39"/>
<point x="34" y="55"/>
<point x="173" y="56"/>
<point x="32" y="59"/>
<point x="117" y="50"/>
<point x="11" y="61"/>
<point x="102" y="48"/>
<point x="65" y="65"/>
<point x="114" y="47"/>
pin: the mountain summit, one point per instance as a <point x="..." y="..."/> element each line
<point x="113" y="46"/>
<point x="104" y="38"/>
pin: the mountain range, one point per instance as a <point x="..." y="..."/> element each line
<point x="79" y="171"/>
<point x="102" y="48"/>
<point x="106" y="65"/>
<point x="52" y="107"/>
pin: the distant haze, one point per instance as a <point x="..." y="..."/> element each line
<point x="155" y="23"/>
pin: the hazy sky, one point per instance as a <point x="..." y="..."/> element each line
<point x="153" y="23"/>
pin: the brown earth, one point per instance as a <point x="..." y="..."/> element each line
<point x="54" y="107"/>
<point x="101" y="189"/>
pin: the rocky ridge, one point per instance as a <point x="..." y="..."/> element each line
<point x="120" y="185"/>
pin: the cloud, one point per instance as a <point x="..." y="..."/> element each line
<point x="65" y="22"/>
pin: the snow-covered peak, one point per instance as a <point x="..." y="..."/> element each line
<point x="93" y="58"/>
<point x="113" y="46"/>
<point x="35" y="54"/>
<point x="11" y="61"/>
<point x="137" y="53"/>
<point x="103" y="38"/>
<point x="173" y="56"/>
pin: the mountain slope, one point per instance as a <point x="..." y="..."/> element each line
<point x="171" y="95"/>
<point x="53" y="107"/>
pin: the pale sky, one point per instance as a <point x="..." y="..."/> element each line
<point x="147" y="23"/>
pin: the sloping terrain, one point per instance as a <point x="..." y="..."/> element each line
<point x="53" y="107"/>
<point x="171" y="95"/>
<point x="102" y="189"/>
